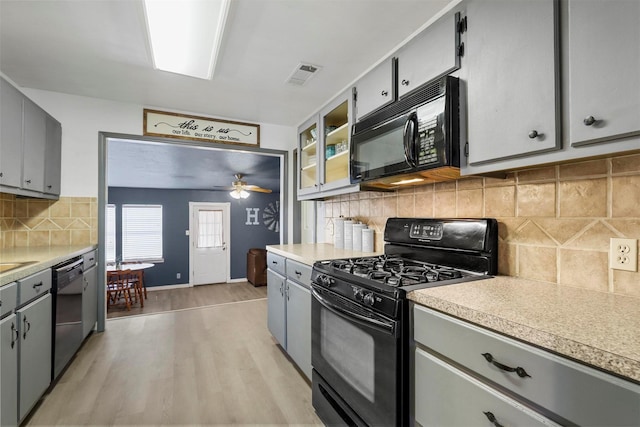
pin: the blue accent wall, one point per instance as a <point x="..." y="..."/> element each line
<point x="175" y="218"/>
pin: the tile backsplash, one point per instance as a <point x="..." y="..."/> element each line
<point x="554" y="222"/>
<point x="40" y="222"/>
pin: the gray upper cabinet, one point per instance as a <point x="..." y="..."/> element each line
<point x="604" y="70"/>
<point x="376" y="89"/>
<point x="511" y="68"/>
<point x="53" y="156"/>
<point x="31" y="145"/>
<point x="34" y="143"/>
<point x="431" y="54"/>
<point x="10" y="135"/>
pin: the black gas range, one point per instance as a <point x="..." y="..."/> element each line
<point x="360" y="333"/>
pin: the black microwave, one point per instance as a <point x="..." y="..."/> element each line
<point x="416" y="133"/>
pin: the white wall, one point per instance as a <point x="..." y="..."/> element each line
<point x="83" y="118"/>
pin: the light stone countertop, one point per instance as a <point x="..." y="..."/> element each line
<point x="39" y="258"/>
<point x="308" y="253"/>
<point x="596" y="328"/>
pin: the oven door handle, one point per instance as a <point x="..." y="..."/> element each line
<point x="381" y="326"/>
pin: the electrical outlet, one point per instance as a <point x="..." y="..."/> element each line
<point x="178" y="275"/>
<point x="623" y="254"/>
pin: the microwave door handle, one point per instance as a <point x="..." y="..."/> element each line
<point x="408" y="137"/>
<point x="385" y="327"/>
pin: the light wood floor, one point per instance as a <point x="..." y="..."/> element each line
<point x="197" y="296"/>
<point x="204" y="366"/>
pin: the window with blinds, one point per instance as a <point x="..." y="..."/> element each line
<point x="142" y="233"/>
<point x="110" y="238"/>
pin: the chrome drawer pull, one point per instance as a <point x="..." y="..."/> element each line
<point x="492" y="419"/>
<point x="520" y="371"/>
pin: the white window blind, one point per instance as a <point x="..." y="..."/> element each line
<point x="141" y="233"/>
<point x="110" y="238"/>
<point x="209" y="229"/>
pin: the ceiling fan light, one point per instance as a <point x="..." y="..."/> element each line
<point x="239" y="194"/>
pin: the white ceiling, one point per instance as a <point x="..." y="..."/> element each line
<point x="99" y="48"/>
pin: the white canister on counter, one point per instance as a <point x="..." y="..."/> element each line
<point x="357" y="236"/>
<point x="338" y="233"/>
<point x="348" y="234"/>
<point x="367" y="240"/>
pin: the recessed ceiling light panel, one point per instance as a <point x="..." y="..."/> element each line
<point x="185" y="35"/>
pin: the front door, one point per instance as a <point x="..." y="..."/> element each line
<point x="208" y="243"/>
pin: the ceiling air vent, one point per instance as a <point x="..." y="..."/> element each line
<point x="303" y="73"/>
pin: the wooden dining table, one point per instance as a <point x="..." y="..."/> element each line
<point x="134" y="266"/>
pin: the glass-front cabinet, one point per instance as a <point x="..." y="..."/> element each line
<point x="324" y="151"/>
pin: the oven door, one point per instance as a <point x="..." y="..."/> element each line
<point x="356" y="353"/>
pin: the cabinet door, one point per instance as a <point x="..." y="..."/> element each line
<point x="9" y="338"/>
<point x="429" y="55"/>
<point x="445" y="396"/>
<point x="89" y="300"/>
<point x="335" y="123"/>
<point x="34" y="322"/>
<point x="376" y="89"/>
<point x="511" y="68"/>
<point x="10" y="134"/>
<point x="604" y="70"/>
<point x="308" y="169"/>
<point x="53" y="155"/>
<point x="34" y="141"/>
<point x="276" y="308"/>
<point x="299" y="326"/>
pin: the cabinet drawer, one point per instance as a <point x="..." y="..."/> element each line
<point x="34" y="286"/>
<point x="89" y="260"/>
<point x="276" y="263"/>
<point x="445" y="396"/>
<point x="580" y="394"/>
<point x="299" y="272"/>
<point x="8" y="298"/>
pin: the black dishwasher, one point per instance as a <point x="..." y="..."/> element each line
<point x="67" y="313"/>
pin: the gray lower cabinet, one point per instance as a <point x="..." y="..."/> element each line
<point x="89" y="292"/>
<point x="276" y="307"/>
<point x="471" y="361"/>
<point x="89" y="300"/>
<point x="289" y="308"/>
<point x="9" y="337"/>
<point x="34" y="358"/>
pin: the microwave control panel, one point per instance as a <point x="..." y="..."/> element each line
<point x="430" y="146"/>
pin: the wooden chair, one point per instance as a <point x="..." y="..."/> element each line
<point x="123" y="285"/>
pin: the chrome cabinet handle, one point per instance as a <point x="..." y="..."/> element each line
<point x="518" y="370"/>
<point x="37" y="285"/>
<point x="28" y="181"/>
<point x="384" y="93"/>
<point x="405" y="82"/>
<point x="534" y="134"/>
<point x="589" y="120"/>
<point x="298" y="273"/>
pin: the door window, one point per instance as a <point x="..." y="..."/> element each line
<point x="210" y="230"/>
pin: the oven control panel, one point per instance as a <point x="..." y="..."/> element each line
<point x="431" y="231"/>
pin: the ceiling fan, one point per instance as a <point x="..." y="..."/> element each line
<point x="240" y="189"/>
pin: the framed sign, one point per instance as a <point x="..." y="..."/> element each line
<point x="181" y="126"/>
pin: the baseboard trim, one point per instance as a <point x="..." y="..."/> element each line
<point x="165" y="287"/>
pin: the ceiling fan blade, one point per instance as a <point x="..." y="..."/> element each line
<point x="257" y="189"/>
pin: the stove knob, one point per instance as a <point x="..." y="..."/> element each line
<point x="326" y="281"/>
<point x="358" y="294"/>
<point x="369" y="299"/>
